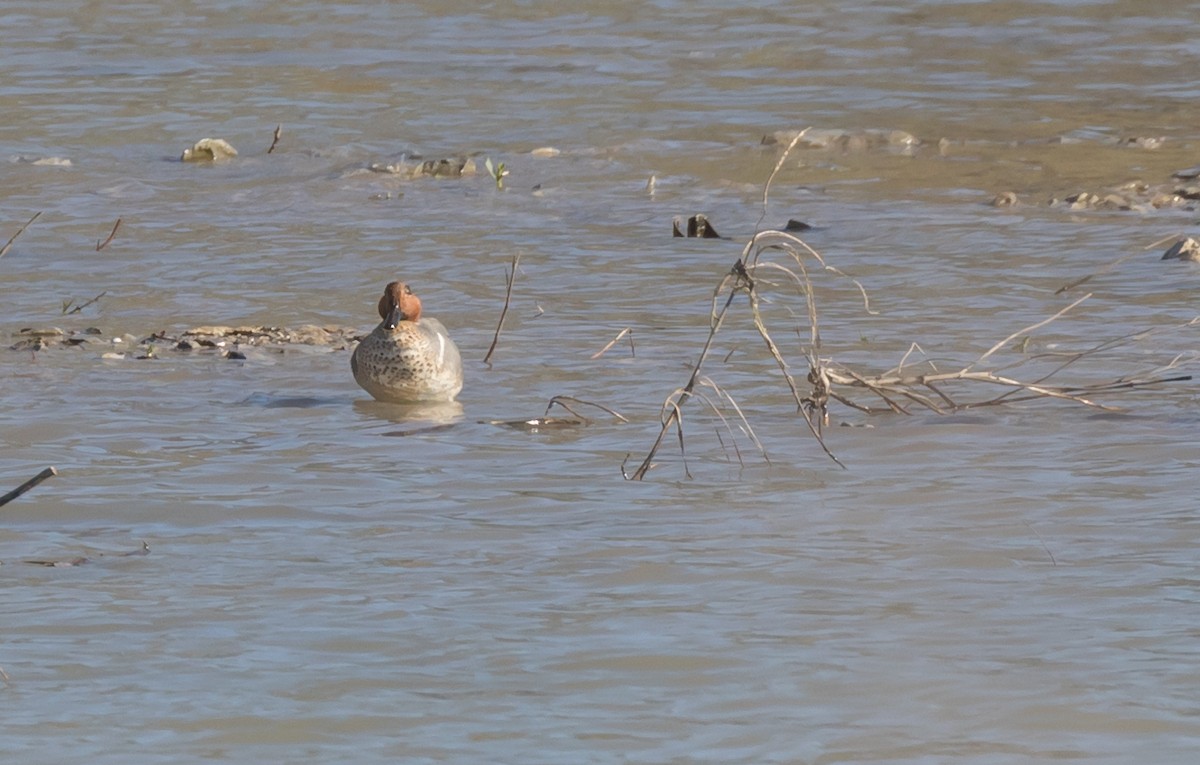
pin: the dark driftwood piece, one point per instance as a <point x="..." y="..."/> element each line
<point x="9" y="497"/>
<point x="101" y="245"/>
<point x="275" y="140"/>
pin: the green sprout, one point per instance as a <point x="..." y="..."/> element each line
<point x="497" y="172"/>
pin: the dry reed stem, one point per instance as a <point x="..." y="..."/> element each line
<point x="614" y="341"/>
<point x="902" y="388"/>
<point x="680" y="395"/>
<point x="509" y="278"/>
<point x="561" y="399"/>
<point x="8" y="245"/>
<point x="1024" y="331"/>
<point x="744" y="427"/>
<point x="101" y="245"/>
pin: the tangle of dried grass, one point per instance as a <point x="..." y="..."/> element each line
<point x="903" y="389"/>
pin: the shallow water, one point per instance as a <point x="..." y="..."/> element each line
<point x="331" y="579"/>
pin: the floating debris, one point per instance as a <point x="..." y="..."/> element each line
<point x="224" y="339"/>
<point x="1144" y="142"/>
<point x="209" y="150"/>
<point x="697" y="226"/>
<point x="45" y="161"/>
<point x="81" y="560"/>
<point x="1186" y="248"/>
<point x="538" y="424"/>
<point x="450" y="167"/>
<point x="221" y="336"/>
<point x="1005" y="199"/>
<point x="447" y="168"/>
<point x="848" y="141"/>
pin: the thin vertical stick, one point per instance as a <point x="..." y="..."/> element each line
<point x="275" y="140"/>
<point x="509" y="278"/>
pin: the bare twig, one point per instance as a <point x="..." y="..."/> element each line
<point x="32" y="482"/>
<point x="509" y="278"/>
<point x="561" y="401"/>
<point x="611" y="343"/>
<point x="101" y="245"/>
<point x="678" y="397"/>
<point x="1045" y="547"/>
<point x="67" y="306"/>
<point x="771" y="178"/>
<point x="1024" y="331"/>
<point x="275" y="140"/>
<point x="4" y="250"/>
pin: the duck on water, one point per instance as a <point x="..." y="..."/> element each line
<point x="408" y="357"/>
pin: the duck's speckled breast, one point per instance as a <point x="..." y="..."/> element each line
<point x="415" y="361"/>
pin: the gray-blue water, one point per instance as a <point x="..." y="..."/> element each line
<point x="329" y="580"/>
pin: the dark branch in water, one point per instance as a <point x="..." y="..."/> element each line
<point x="9" y="497"/>
<point x="275" y="140"/>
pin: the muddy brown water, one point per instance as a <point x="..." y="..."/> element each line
<point x="327" y="581"/>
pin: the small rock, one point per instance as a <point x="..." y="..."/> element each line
<point x="1187" y="174"/>
<point x="796" y="225"/>
<point x="545" y="151"/>
<point x="1184" y="249"/>
<point x="1082" y="200"/>
<point x="1005" y="199"/>
<point x="697" y="226"/>
<point x="54" y="332"/>
<point x="1114" y="202"/>
<point x="209" y="150"/>
<point x="1188" y="192"/>
<point x="1145" y="142"/>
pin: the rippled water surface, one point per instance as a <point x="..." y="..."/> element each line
<point x="334" y="580"/>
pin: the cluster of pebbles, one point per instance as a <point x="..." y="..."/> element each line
<point x="224" y="341"/>
<point x="1136" y="196"/>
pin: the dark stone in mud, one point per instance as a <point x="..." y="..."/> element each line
<point x="697" y="226"/>
<point x="796" y="225"/>
<point x="1184" y="249"/>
